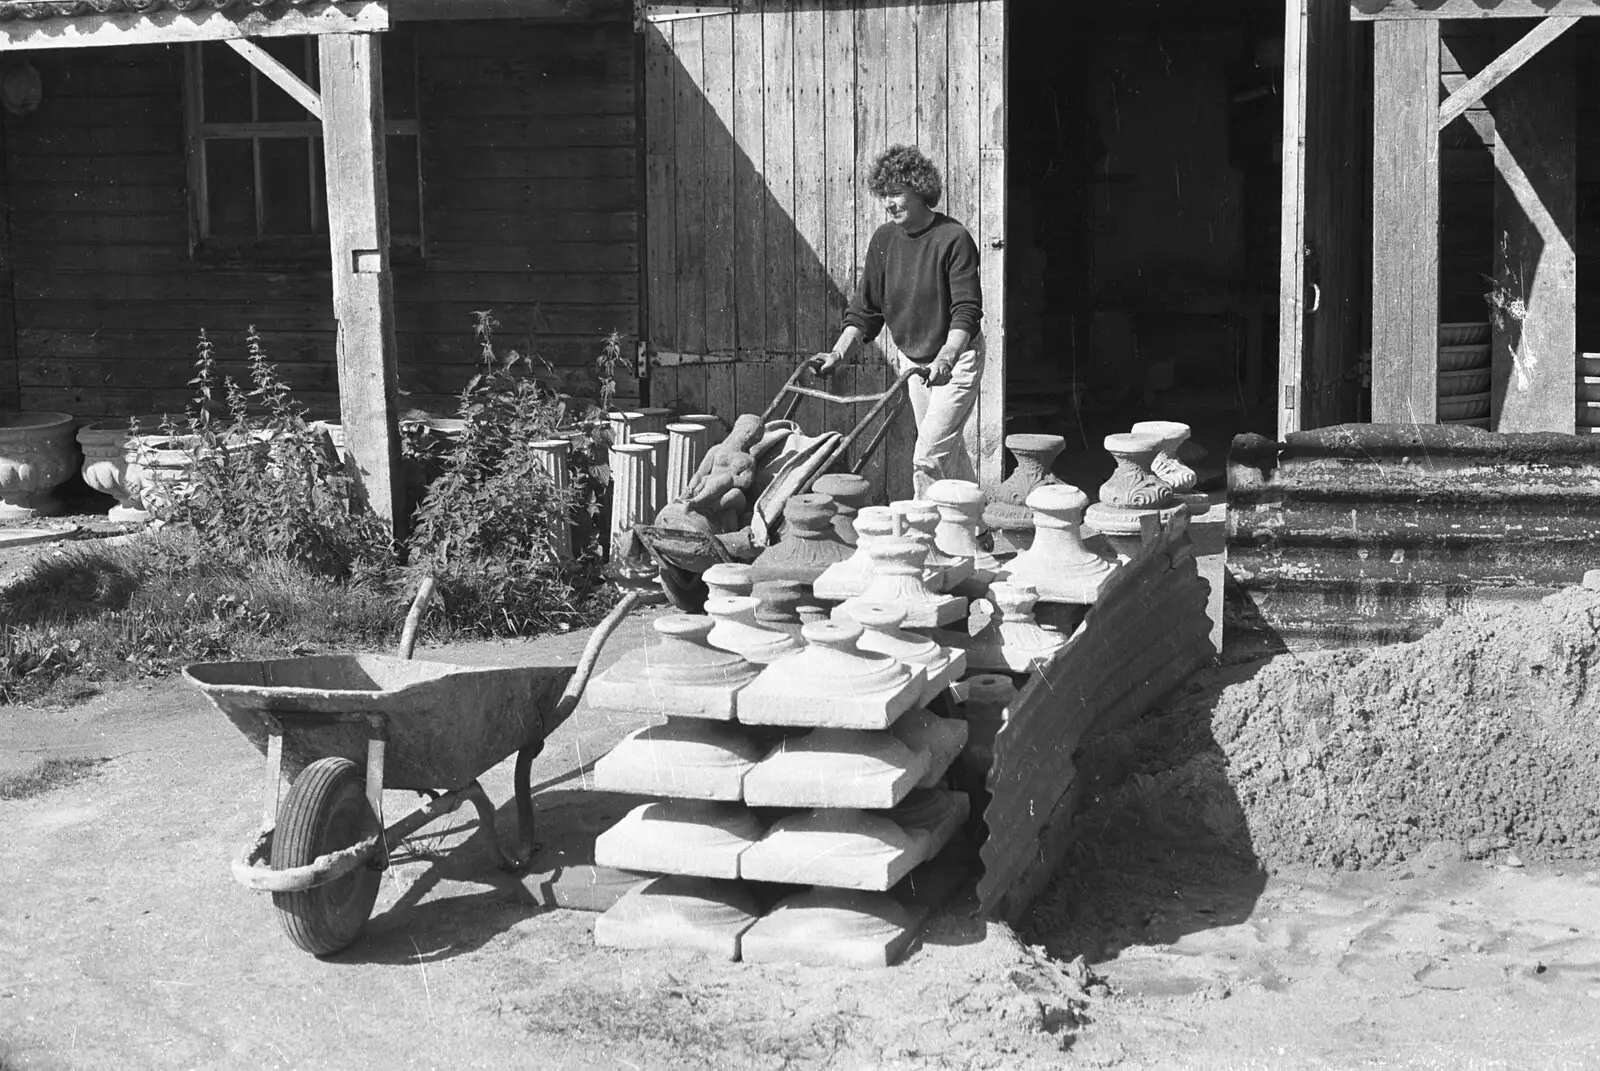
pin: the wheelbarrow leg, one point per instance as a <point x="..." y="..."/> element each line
<point x="377" y="746"/>
<point x="273" y="787"/>
<point x="525" y="828"/>
<point x="480" y="800"/>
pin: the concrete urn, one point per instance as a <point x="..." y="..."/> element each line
<point x="108" y="468"/>
<point x="37" y="455"/>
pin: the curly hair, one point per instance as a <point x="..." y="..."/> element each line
<point x="904" y="165"/>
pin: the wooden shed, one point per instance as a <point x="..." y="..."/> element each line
<point x="1439" y="170"/>
<point x="688" y="177"/>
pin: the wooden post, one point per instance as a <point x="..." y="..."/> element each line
<point x="10" y="389"/>
<point x="363" y="289"/>
<point x="1405" y="222"/>
<point x="1535" y="301"/>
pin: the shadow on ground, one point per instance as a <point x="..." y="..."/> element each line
<point x="1161" y="848"/>
<point x="455" y="898"/>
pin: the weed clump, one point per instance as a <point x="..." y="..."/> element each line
<point x="266" y="550"/>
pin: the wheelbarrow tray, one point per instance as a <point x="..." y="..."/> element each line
<point x="446" y="724"/>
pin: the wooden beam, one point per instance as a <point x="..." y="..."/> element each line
<point x="1405" y="222"/>
<point x="177" y="27"/>
<point x="1535" y="297"/>
<point x="547" y="10"/>
<point x="1502" y="66"/>
<point x="281" y="76"/>
<point x="363" y="287"/>
<point x="1292" y="282"/>
<point x="1434" y="10"/>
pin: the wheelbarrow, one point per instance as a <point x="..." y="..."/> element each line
<point x="682" y="556"/>
<point x="342" y="728"/>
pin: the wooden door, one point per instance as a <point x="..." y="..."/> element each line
<point x="761" y="120"/>
<point x="1323" y="302"/>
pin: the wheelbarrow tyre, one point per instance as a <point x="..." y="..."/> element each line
<point x="325" y="810"/>
<point x="685" y="590"/>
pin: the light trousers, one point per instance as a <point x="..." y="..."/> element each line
<point x="941" y="415"/>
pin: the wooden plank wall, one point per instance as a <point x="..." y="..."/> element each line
<point x="760" y="128"/>
<point x="1324" y="273"/>
<point x="530" y="201"/>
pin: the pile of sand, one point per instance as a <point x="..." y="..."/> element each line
<point x="1484" y="734"/>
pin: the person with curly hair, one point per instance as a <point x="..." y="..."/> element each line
<point x="921" y="281"/>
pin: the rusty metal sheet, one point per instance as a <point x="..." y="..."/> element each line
<point x="1364" y="533"/>
<point x="1147" y="633"/>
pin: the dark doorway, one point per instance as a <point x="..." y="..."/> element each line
<point x="1142" y="237"/>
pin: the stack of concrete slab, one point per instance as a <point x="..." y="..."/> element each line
<point x="819" y="769"/>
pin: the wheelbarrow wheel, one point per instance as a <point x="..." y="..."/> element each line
<point x="325" y="810"/>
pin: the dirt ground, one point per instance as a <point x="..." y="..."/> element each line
<point x="125" y="943"/>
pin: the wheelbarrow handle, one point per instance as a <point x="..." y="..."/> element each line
<point x="408" y="634"/>
<point x="591" y="651"/>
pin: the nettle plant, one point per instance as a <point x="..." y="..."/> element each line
<point x="264" y="480"/>
<point x="486" y="527"/>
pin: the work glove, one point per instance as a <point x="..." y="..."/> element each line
<point x="939" y="370"/>
<point x="823" y="364"/>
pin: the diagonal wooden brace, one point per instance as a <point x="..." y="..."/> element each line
<point x="281" y="76"/>
<point x="1503" y="66"/>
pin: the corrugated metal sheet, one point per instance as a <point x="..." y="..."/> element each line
<point x="1147" y="633"/>
<point x="1365" y="533"/>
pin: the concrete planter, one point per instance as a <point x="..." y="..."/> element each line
<point x="37" y="455"/>
<point x="106" y="465"/>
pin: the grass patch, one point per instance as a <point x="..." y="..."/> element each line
<point x="98" y="613"/>
<point x="50" y="775"/>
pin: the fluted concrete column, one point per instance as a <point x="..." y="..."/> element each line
<point x="657" y="442"/>
<point x="630" y="494"/>
<point x="624" y="424"/>
<point x="653" y="419"/>
<point x="716" y="430"/>
<point x="552" y="454"/>
<point x="686" y="446"/>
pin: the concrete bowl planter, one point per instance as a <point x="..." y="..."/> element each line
<point x="37" y="455"/>
<point x="160" y="466"/>
<point x="107" y="462"/>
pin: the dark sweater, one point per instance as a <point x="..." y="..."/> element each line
<point x="922" y="285"/>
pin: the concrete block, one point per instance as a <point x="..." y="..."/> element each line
<point x="832" y="927"/>
<point x="931" y="816"/>
<point x="737" y="630"/>
<point x="682" y="676"/>
<point x="845" y="849"/>
<point x="699" y="914"/>
<point x="838" y="768"/>
<point x="831" y="684"/>
<point x="897" y="580"/>
<point x="690" y="837"/>
<point x="847" y="579"/>
<point x="1058" y="566"/>
<point x="1013" y="641"/>
<point x="883" y="632"/>
<point x="940" y="739"/>
<point x="686" y="759"/>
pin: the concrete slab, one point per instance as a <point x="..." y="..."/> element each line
<point x="698" y="914"/>
<point x="844" y="849"/>
<point x="685" y="759"/>
<point x="837" y="768"/>
<point x="828" y="927"/>
<point x="690" y="837"/>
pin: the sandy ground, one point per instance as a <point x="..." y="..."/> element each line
<point x="125" y="943"/>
